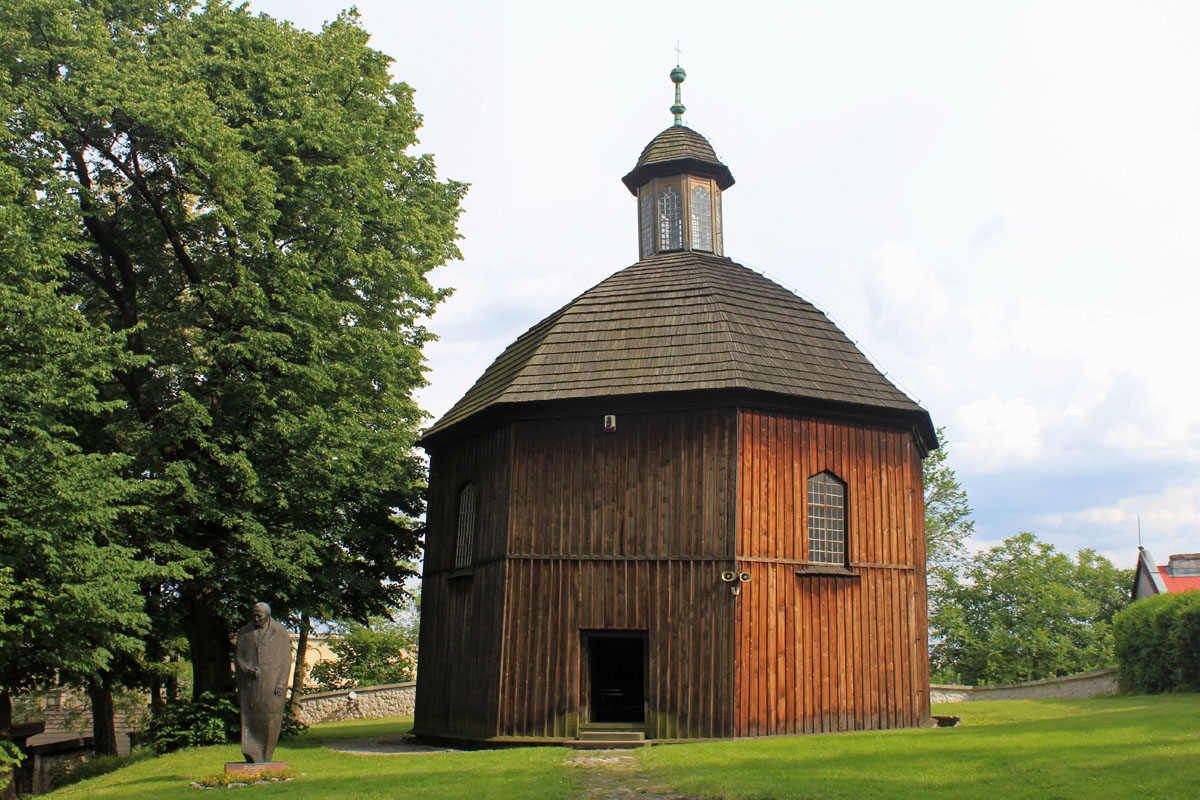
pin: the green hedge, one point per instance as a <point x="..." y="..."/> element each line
<point x="1158" y="643"/>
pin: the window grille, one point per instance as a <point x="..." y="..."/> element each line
<point x="465" y="543"/>
<point x="826" y="519"/>
<point x="670" y="220"/>
<point x="702" y="238"/>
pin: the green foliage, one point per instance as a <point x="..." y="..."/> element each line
<point x="69" y="585"/>
<point x="10" y="757"/>
<point x="233" y="202"/>
<point x="948" y="522"/>
<point x="1157" y="642"/>
<point x="381" y="652"/>
<point x="208" y="719"/>
<point x="1023" y="611"/>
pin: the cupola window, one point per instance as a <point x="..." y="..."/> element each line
<point x="702" y="234"/>
<point x="646" y="223"/>
<point x="670" y="219"/>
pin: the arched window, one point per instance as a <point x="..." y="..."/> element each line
<point x="647" y="223"/>
<point x="826" y="519"/>
<point x="670" y="219"/>
<point x="702" y="238"/>
<point x="464" y="545"/>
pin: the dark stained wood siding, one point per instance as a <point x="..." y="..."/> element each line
<point x="624" y="531"/>
<point x="459" y="654"/>
<point x="819" y="654"/>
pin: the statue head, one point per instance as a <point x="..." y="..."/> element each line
<point x="262" y="615"/>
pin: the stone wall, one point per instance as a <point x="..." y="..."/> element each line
<point x="1087" y="684"/>
<point x="368" y="702"/>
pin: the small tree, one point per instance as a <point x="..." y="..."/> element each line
<point x="948" y="522"/>
<point x="383" y="651"/>
<point x="1024" y="611"/>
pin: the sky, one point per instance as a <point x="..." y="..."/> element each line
<point x="999" y="202"/>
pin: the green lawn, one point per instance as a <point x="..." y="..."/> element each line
<point x="534" y="773"/>
<point x="1118" y="747"/>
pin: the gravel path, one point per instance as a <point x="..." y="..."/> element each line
<point x="613" y="775"/>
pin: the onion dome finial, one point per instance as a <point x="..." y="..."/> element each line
<point x="677" y="77"/>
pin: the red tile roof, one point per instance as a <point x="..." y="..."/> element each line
<point x="1182" y="583"/>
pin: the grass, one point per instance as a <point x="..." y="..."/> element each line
<point x="1105" y="747"/>
<point x="535" y="773"/>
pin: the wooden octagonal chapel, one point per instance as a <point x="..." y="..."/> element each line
<point x="684" y="504"/>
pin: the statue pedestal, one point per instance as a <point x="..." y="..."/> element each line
<point x="250" y="768"/>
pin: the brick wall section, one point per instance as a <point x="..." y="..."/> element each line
<point x="1087" y="684"/>
<point x="370" y="702"/>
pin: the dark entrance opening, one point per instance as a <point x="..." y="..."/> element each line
<point x="617" y="666"/>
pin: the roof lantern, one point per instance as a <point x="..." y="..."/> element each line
<point x="678" y="181"/>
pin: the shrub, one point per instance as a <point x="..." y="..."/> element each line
<point x="1156" y="643"/>
<point x="209" y="719"/>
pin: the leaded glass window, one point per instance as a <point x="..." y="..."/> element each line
<point x="464" y="546"/>
<point x="702" y="233"/>
<point x="720" y="248"/>
<point x="647" y="223"/>
<point x="826" y="519"/>
<point x="670" y="219"/>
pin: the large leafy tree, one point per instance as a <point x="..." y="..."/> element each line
<point x="1024" y="611"/>
<point x="244" y="211"/>
<point x="69" y="588"/>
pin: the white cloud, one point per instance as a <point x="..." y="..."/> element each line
<point x="994" y="433"/>
<point x="1170" y="520"/>
<point x="905" y="297"/>
<point x="1121" y="86"/>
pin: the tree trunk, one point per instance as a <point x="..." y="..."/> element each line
<point x="104" y="730"/>
<point x="299" y="671"/>
<point x="5" y="715"/>
<point x="208" y="638"/>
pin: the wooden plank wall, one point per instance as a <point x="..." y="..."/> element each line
<point x="458" y="663"/>
<point x="821" y="654"/>
<point x="621" y="531"/>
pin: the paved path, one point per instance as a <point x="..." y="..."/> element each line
<point x="613" y="775"/>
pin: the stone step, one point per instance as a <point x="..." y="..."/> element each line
<point x="601" y="744"/>
<point x="611" y="736"/>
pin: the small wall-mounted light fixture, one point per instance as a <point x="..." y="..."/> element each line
<point x="610" y="423"/>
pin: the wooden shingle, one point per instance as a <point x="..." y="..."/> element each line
<point x="682" y="322"/>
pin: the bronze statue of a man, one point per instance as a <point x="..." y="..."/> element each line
<point x="264" y="658"/>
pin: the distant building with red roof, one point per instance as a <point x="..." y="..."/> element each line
<point x="1181" y="574"/>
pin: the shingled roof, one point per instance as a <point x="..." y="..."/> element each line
<point x="676" y="150"/>
<point x="684" y="322"/>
